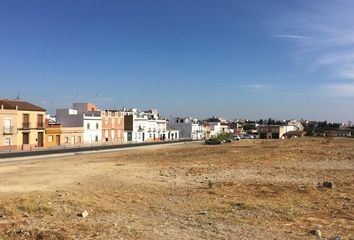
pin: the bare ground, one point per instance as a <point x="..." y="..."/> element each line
<point x="251" y="189"/>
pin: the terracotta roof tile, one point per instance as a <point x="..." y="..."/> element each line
<point x="22" y="105"/>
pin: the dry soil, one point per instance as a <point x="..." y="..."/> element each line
<point x="250" y="189"/>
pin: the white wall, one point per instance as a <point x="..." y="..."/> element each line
<point x="93" y="134"/>
<point x="187" y="129"/>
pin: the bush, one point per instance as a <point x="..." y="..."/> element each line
<point x="223" y="136"/>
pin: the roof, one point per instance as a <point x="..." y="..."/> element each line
<point x="169" y="128"/>
<point x="21" y="105"/>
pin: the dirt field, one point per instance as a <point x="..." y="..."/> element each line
<point x="251" y="189"/>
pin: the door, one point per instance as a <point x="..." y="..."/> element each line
<point x="25" y="138"/>
<point x="130" y="136"/>
<point x="113" y="136"/>
<point x="40" y="139"/>
<point x="57" y="138"/>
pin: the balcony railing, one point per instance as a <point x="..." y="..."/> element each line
<point x="8" y="130"/>
<point x="26" y="125"/>
<point x="40" y="125"/>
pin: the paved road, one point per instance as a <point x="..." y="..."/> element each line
<point x="80" y="149"/>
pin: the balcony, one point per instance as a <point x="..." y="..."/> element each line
<point x="26" y="125"/>
<point x="8" y="130"/>
<point x="40" y="125"/>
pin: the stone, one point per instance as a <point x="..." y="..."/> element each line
<point x="203" y="212"/>
<point x="83" y="214"/>
<point x="328" y="184"/>
<point x="316" y="232"/>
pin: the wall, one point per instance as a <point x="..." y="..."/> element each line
<point x="33" y="129"/>
<point x="84" y="107"/>
<point x="71" y="136"/>
<point x="112" y="127"/>
<point x="69" y="118"/>
<point x="11" y="133"/>
<point x="93" y="134"/>
<point x="185" y="128"/>
<point x="52" y="135"/>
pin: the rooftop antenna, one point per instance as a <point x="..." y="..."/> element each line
<point x="76" y="96"/>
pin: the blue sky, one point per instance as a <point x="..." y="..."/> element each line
<point x="201" y="58"/>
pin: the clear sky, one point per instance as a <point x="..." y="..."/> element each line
<point x="200" y="58"/>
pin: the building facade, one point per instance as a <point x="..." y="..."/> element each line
<point x="85" y="116"/>
<point x="112" y="126"/>
<point x="72" y="136"/>
<point x="22" y="125"/>
<point x="146" y="126"/>
<point x="188" y="128"/>
<point x="52" y="134"/>
<point x="273" y="131"/>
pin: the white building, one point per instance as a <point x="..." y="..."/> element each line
<point x="85" y="115"/>
<point x="296" y="124"/>
<point x="146" y="126"/>
<point x="92" y="123"/>
<point x="135" y="125"/>
<point x="188" y="128"/>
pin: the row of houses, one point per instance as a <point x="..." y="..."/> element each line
<point x="25" y="126"/>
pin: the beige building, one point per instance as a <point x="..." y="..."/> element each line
<point x="22" y="125"/>
<point x="271" y="131"/>
<point x="71" y="136"/>
<point x="8" y="130"/>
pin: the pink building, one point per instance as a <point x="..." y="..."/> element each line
<point x="112" y="126"/>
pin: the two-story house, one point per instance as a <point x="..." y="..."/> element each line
<point x="22" y="125"/>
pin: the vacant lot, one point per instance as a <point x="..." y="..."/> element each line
<point x="251" y="189"/>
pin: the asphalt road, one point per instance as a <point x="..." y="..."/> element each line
<point x="8" y="155"/>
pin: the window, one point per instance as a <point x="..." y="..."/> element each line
<point x="97" y="125"/>
<point x="7" y="126"/>
<point x="7" y="142"/>
<point x="88" y="126"/>
<point x="50" y="138"/>
<point x="96" y="138"/>
<point x="40" y="121"/>
<point x="79" y="139"/>
<point x="66" y="140"/>
<point x="26" y="123"/>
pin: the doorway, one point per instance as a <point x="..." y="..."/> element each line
<point x="40" y="139"/>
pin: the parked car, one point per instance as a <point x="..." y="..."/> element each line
<point x="236" y="138"/>
<point x="247" y="136"/>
